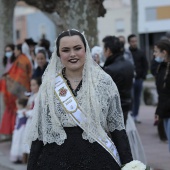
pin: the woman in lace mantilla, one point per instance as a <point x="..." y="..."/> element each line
<point x="57" y="142"/>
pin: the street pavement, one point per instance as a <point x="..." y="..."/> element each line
<point x="157" y="153"/>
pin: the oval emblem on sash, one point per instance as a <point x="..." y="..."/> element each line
<point x="62" y="92"/>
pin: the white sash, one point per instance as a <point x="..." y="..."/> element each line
<point x="70" y="105"/>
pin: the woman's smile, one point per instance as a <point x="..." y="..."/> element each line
<point x="73" y="60"/>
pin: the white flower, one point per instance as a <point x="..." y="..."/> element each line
<point x="134" y="165"/>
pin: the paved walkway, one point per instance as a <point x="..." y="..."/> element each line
<point x="156" y="151"/>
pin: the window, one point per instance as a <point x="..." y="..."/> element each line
<point x="18" y="34"/>
<point x="157" y="13"/>
<point x="120" y="25"/>
<point x="151" y="14"/>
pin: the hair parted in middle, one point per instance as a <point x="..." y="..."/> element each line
<point x="70" y="32"/>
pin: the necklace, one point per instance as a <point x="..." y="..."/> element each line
<point x="78" y="85"/>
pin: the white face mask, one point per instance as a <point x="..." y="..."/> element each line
<point x="8" y="54"/>
<point x="159" y="59"/>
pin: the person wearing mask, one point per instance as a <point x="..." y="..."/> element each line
<point x="9" y="57"/>
<point x="42" y="64"/>
<point x="162" y="55"/>
<point x="12" y="86"/>
<point x="155" y="64"/>
<point x="141" y="68"/>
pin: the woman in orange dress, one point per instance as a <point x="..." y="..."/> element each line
<point x="13" y="84"/>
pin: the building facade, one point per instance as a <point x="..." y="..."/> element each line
<point x="30" y="22"/>
<point x="117" y="20"/>
<point x="153" y="22"/>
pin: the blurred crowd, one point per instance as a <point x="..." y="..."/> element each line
<point x="24" y="65"/>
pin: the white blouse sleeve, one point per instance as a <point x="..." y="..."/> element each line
<point x="115" y="118"/>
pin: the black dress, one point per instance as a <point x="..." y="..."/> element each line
<point x="77" y="153"/>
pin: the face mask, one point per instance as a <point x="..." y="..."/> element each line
<point x="8" y="54"/>
<point x="159" y="59"/>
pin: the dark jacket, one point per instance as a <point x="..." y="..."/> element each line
<point x="122" y="73"/>
<point x="154" y="67"/>
<point x="140" y="62"/>
<point x="39" y="72"/>
<point x="163" y="88"/>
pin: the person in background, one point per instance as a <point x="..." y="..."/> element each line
<point x="46" y="45"/>
<point x="16" y="152"/>
<point x="96" y="52"/>
<point x="162" y="54"/>
<point x="155" y="64"/>
<point x="126" y="52"/>
<point x="31" y="53"/>
<point x="122" y="72"/>
<point x="168" y="35"/>
<point x="35" y="84"/>
<point x="12" y="86"/>
<point x="141" y="68"/>
<point x="42" y="64"/>
<point x="9" y="57"/>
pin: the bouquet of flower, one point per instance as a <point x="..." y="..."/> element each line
<point x="135" y="165"/>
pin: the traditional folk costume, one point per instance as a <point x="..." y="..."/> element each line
<point x="29" y="114"/>
<point x="13" y="85"/>
<point x="17" y="148"/>
<point x="69" y="127"/>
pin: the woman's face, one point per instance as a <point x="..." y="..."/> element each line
<point x="34" y="86"/>
<point x="158" y="53"/>
<point x="8" y="49"/>
<point x="72" y="53"/>
<point x="41" y="60"/>
<point x="17" y="52"/>
<point x="8" y="52"/>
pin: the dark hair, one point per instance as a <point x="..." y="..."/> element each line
<point x="113" y="43"/>
<point x="164" y="45"/>
<point x="19" y="47"/>
<point x="69" y="33"/>
<point x="131" y="36"/>
<point x="38" y="80"/>
<point x="42" y="52"/>
<point x="12" y="59"/>
<point x="22" y="101"/>
<point x="45" y="43"/>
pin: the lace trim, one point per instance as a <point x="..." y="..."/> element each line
<point x="98" y="97"/>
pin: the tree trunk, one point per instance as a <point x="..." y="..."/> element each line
<point x="134" y="16"/>
<point x="6" y="34"/>
<point x="78" y="14"/>
<point x="81" y="16"/>
<point x="6" y="26"/>
<point x="56" y="19"/>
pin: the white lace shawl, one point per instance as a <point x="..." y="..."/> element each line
<point x="98" y="98"/>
